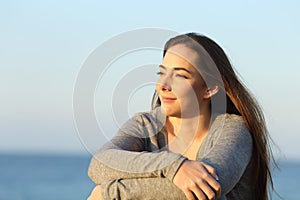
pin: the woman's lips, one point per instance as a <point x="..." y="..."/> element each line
<point x="168" y="99"/>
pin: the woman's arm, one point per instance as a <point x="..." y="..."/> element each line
<point x="228" y="151"/>
<point x="141" y="188"/>
<point x="98" y="171"/>
<point x="152" y="188"/>
<point x="127" y="154"/>
<point x="231" y="151"/>
<point x="229" y="156"/>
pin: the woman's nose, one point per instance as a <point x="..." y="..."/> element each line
<point x="165" y="83"/>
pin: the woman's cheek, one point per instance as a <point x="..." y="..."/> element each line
<point x="184" y="90"/>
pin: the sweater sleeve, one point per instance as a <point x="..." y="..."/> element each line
<point x="126" y="155"/>
<point x="230" y="153"/>
<point x="141" y="188"/>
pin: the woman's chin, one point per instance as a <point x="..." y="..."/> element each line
<point x="169" y="112"/>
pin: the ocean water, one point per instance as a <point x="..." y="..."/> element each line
<point x="52" y="177"/>
<point x="286" y="181"/>
<point x="44" y="177"/>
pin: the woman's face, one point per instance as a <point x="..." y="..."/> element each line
<point x="180" y="87"/>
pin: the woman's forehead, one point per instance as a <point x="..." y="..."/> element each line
<point x="182" y="56"/>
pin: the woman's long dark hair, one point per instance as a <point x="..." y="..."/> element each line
<point x="241" y="102"/>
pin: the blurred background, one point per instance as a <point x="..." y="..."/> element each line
<point x="43" y="45"/>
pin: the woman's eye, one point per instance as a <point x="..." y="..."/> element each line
<point x="182" y="76"/>
<point x="159" y="73"/>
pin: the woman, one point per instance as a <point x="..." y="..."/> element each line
<point x="205" y="137"/>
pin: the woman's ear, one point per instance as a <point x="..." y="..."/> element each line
<point x="211" y="91"/>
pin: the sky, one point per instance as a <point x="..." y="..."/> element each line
<point x="44" y="45"/>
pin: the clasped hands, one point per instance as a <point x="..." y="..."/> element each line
<point x="197" y="180"/>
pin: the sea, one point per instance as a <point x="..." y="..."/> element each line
<point x="64" y="177"/>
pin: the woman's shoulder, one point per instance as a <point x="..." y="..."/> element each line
<point x="150" y="121"/>
<point x="228" y="120"/>
<point x="150" y="117"/>
<point x="230" y="125"/>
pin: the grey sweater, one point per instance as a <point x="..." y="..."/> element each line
<point x="136" y="163"/>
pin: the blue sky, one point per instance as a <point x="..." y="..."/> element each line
<point x="44" y="44"/>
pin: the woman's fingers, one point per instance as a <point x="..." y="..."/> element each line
<point x="202" y="191"/>
<point x="206" y="190"/>
<point x="215" y="186"/>
<point x="194" y="178"/>
<point x="189" y="194"/>
<point x="210" y="170"/>
<point x="213" y="179"/>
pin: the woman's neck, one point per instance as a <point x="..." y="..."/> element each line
<point x="185" y="135"/>
<point x="188" y="128"/>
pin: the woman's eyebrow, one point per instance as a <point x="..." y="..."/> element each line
<point x="161" y="66"/>
<point x="177" y="68"/>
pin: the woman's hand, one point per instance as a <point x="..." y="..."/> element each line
<point x="197" y="180"/>
<point x="96" y="193"/>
